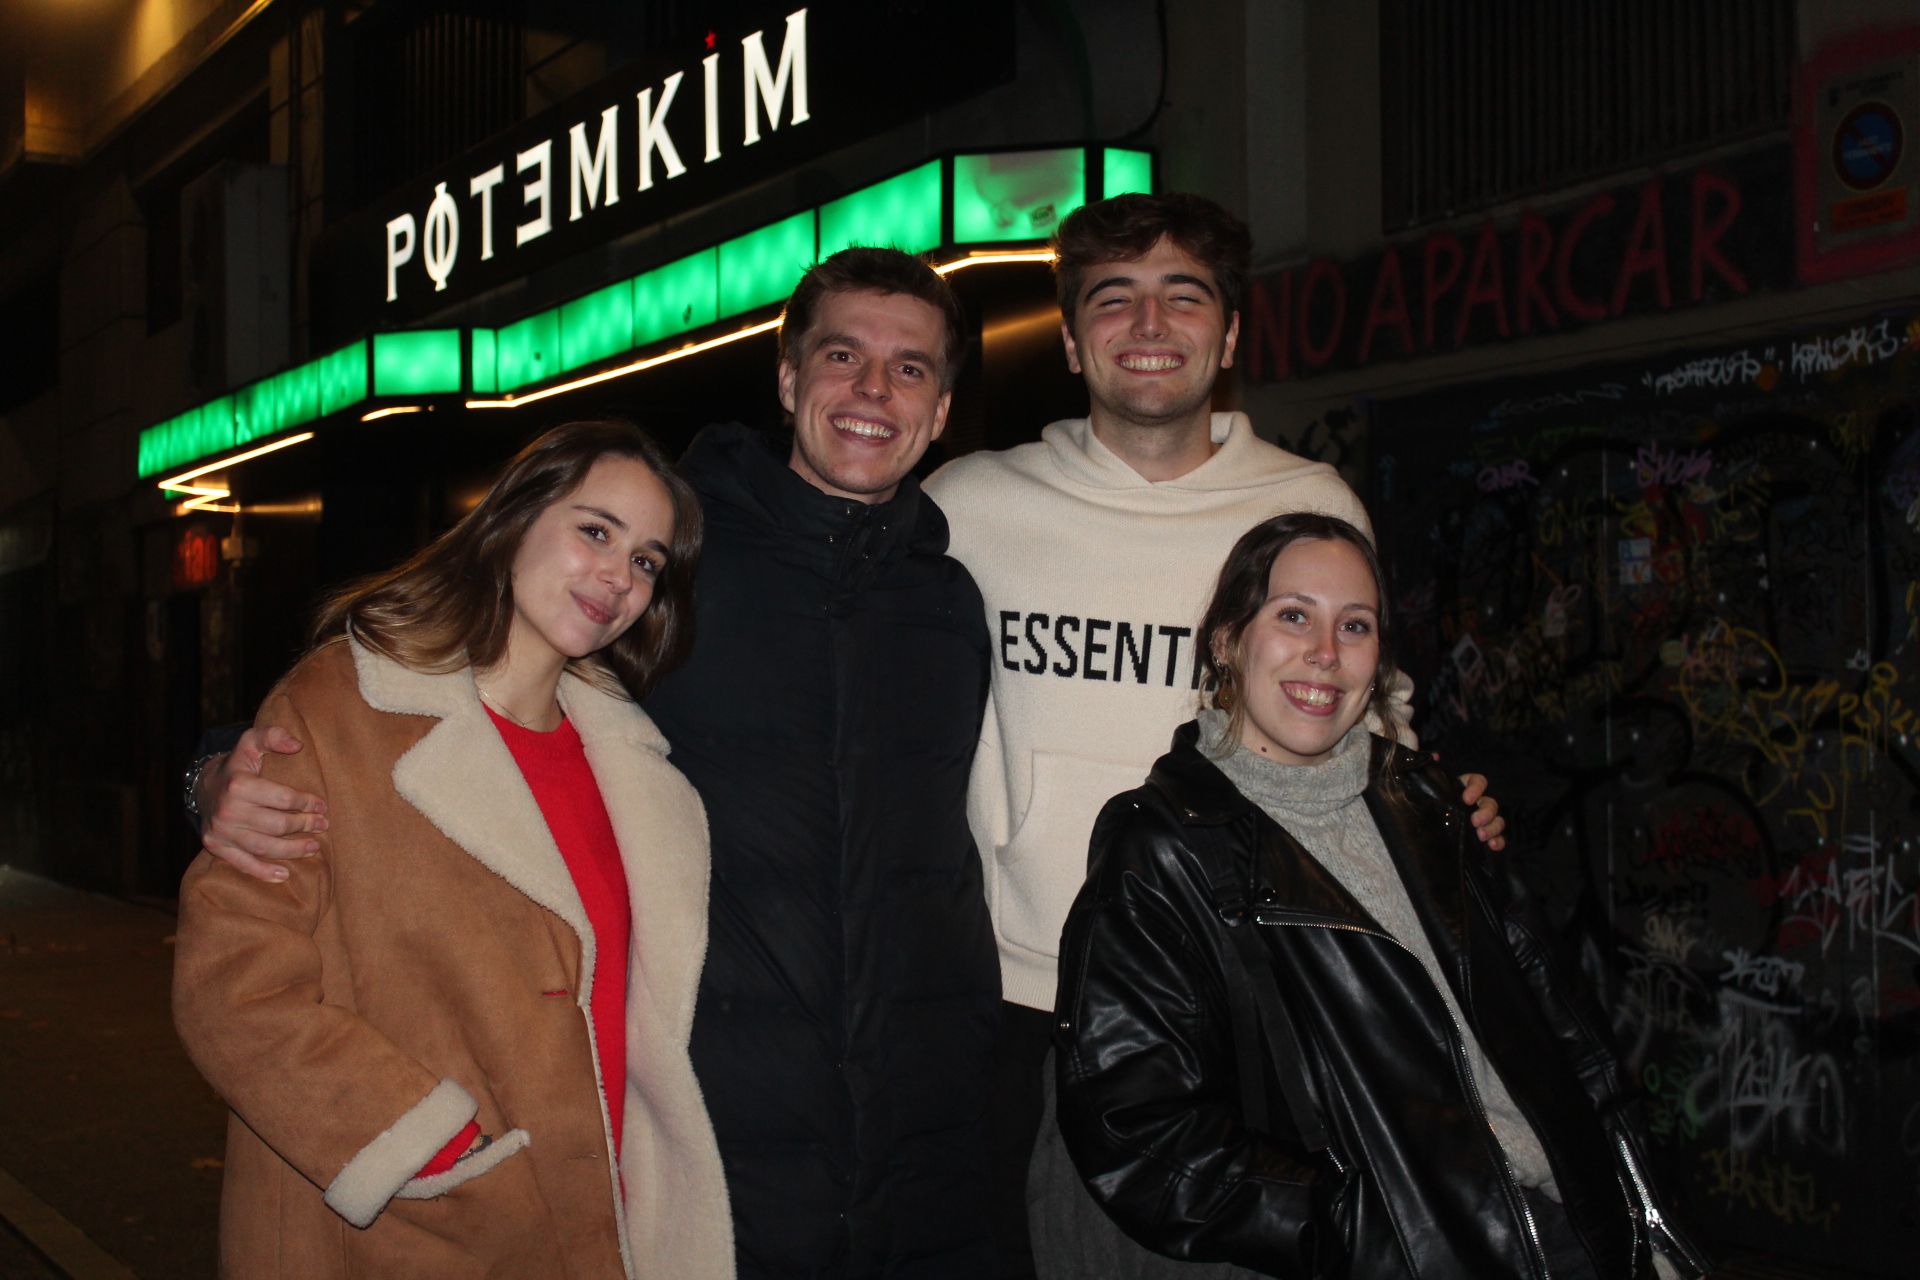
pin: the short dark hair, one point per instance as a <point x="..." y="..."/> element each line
<point x="450" y="604"/>
<point x="1125" y="228"/>
<point x="883" y="271"/>
<point x="1242" y="590"/>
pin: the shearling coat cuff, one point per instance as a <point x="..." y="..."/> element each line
<point x="390" y="1161"/>
<point x="466" y="1169"/>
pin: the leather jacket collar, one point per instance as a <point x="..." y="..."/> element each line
<point x="1430" y="858"/>
<point x="1199" y="792"/>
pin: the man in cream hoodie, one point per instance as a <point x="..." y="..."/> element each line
<point x="1096" y="549"/>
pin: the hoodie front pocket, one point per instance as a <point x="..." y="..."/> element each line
<point x="1038" y="871"/>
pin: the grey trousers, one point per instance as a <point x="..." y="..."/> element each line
<point x="1073" y="1239"/>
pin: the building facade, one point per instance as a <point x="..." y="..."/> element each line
<point x="323" y="265"/>
<point x="1611" y="312"/>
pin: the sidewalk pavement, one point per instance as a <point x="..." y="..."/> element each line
<point x="110" y="1165"/>
<point x="110" y="1142"/>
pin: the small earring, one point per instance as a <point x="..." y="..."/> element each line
<point x="1222" y="685"/>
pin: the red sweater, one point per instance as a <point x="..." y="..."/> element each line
<point x="555" y="767"/>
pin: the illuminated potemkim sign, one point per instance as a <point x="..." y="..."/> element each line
<point x="630" y="147"/>
<point x="771" y="92"/>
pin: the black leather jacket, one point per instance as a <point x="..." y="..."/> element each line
<point x="1412" y="1183"/>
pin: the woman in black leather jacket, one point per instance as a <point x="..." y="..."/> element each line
<point x="1306" y="1027"/>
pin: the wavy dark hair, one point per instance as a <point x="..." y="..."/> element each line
<point x="450" y="604"/>
<point x="1242" y="590"/>
<point x="1125" y="229"/>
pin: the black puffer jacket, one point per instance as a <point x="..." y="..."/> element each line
<point x="1412" y="1182"/>
<point x="846" y="1016"/>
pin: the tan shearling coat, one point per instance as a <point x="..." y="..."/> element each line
<point x="432" y="964"/>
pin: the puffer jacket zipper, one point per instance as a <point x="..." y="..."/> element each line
<point x="1268" y="918"/>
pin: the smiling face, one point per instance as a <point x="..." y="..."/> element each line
<point x="1305" y="664"/>
<point x="865" y="391"/>
<point x="1150" y="336"/>
<point x="585" y="570"/>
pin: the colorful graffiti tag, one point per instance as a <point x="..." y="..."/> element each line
<point x="1673" y="610"/>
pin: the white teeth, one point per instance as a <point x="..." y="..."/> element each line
<point x="1150" y="364"/>
<point x="861" y="427"/>
<point x="1311" y="696"/>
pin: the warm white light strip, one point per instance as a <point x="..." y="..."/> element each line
<point x="390" y="410"/>
<point x="993" y="257"/>
<point x="179" y="481"/>
<point x="208" y="500"/>
<point x="234" y="28"/>
<point x="679" y="353"/>
<point x="205" y="495"/>
<point x="978" y="258"/>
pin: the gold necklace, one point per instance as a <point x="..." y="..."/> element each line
<point x="499" y="706"/>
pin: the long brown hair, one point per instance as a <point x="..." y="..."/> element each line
<point x="1242" y="591"/>
<point x="450" y="604"/>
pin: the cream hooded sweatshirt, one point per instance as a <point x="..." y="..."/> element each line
<point x="1094" y="579"/>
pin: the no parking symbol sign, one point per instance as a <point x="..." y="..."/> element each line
<point x="1858" y="180"/>
<point x="1867" y="146"/>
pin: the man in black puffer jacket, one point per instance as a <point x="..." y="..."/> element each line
<point x="828" y="717"/>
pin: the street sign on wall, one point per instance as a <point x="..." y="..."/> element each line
<point x="1857" y="180"/>
<point x="1679" y="239"/>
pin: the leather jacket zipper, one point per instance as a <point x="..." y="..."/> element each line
<point x="1461" y="1065"/>
<point x="1634" y="1213"/>
<point x="1657" y="1229"/>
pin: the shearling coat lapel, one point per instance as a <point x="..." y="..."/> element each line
<point x="463" y="780"/>
<point x="657" y="819"/>
<point x="661" y="829"/>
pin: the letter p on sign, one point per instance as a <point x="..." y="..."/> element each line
<point x="400" y="237"/>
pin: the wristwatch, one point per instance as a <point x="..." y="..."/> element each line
<point x="194" y="771"/>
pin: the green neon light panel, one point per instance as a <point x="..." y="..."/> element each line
<point x="186" y="437"/>
<point x="1127" y="173"/>
<point x="484" y="376"/>
<point x="763" y="266"/>
<point x="596" y="326"/>
<point x="343" y="378"/>
<point x="416" y="363"/>
<point x="527" y="351"/>
<point x="274" y="404"/>
<point x="903" y="212"/>
<point x="1016" y="195"/>
<point x="673" y="299"/>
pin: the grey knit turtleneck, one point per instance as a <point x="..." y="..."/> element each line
<point x="1319" y="805"/>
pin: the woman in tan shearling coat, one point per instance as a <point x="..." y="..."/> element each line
<point x="405" y="1028"/>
